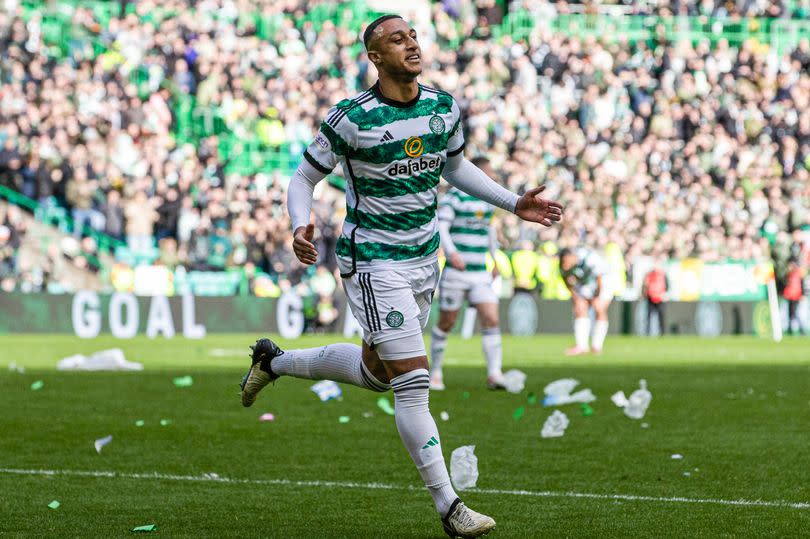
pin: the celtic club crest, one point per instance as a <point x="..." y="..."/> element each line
<point x="394" y="319"/>
<point x="436" y="124"/>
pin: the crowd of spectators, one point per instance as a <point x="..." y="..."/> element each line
<point x="53" y="264"/>
<point x="675" y="149"/>
<point x="718" y="9"/>
<point x="12" y="228"/>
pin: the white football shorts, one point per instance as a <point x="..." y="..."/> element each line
<point x="393" y="307"/>
<point x="456" y="286"/>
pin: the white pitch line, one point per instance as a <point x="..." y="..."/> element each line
<point x="214" y="478"/>
<point x="227" y="352"/>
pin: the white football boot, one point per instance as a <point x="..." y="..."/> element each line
<point x="461" y="521"/>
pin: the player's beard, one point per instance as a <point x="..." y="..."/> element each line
<point x="400" y="73"/>
<point x="403" y="75"/>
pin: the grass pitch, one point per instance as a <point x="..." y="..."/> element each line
<point x="737" y="409"/>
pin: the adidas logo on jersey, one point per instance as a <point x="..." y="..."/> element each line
<point x="387" y="136"/>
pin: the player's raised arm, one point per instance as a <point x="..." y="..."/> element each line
<point x="467" y="177"/>
<point x="462" y="174"/>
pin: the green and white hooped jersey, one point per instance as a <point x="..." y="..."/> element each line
<point x="470" y="219"/>
<point x="392" y="155"/>
<point x="590" y="265"/>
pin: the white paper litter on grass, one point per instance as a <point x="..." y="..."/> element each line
<point x="563" y="386"/>
<point x="105" y="360"/>
<point x="677" y="456"/>
<point x="101" y="442"/>
<point x="326" y="389"/>
<point x="559" y="391"/>
<point x="464" y="467"/>
<point x="619" y="399"/>
<point x="17" y="368"/>
<point x="555" y="425"/>
<point x="445" y="416"/>
<point x="514" y="380"/>
<point x="636" y="405"/>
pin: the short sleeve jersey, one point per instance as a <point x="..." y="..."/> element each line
<point x="392" y="155"/>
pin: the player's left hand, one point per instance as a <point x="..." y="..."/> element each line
<point x="532" y="207"/>
<point x="303" y="247"/>
<point x="457" y="262"/>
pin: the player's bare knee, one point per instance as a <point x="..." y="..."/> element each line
<point x="600" y="308"/>
<point x="397" y="367"/>
<point x="374" y="364"/>
<point x="489" y="315"/>
<point x="447" y="320"/>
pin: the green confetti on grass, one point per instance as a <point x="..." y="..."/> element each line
<point x="532" y="399"/>
<point x="183" y="381"/>
<point x="140" y="423"/>
<point x="385" y="405"/>
<point x="587" y="411"/>
<point x="164" y="422"/>
<point x="36" y="386"/>
<point x="519" y="413"/>
<point x="465" y="395"/>
<point x="54" y="504"/>
<point x="344" y="419"/>
<point x="145" y="528"/>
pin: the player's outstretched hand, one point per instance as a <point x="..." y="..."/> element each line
<point x="532" y="207"/>
<point x="302" y="244"/>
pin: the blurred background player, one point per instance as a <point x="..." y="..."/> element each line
<point x="465" y="225"/>
<point x="793" y="293"/>
<point x="584" y="273"/>
<point x="654" y="290"/>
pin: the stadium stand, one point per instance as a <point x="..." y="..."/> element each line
<point x="687" y="137"/>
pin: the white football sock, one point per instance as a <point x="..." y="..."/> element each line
<point x="438" y="343"/>
<point x="600" y="329"/>
<point x="582" y="329"/>
<point x="491" y="342"/>
<point x="420" y="435"/>
<point x="342" y="362"/>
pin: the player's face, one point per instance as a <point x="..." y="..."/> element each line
<point x="567" y="262"/>
<point x="395" y="49"/>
